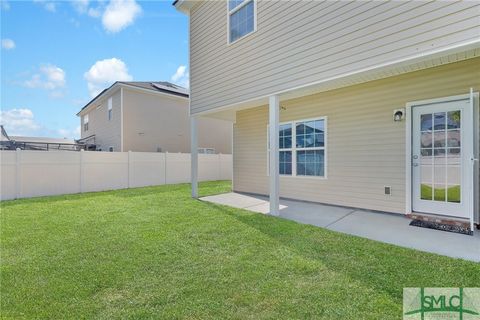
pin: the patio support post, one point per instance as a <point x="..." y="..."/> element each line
<point x="194" y="155"/>
<point x="273" y="115"/>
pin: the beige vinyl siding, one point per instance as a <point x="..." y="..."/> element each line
<point x="300" y="42"/>
<point x="107" y="133"/>
<point x="365" y="147"/>
<point x="153" y="121"/>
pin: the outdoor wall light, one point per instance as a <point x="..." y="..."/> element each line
<point x="398" y="114"/>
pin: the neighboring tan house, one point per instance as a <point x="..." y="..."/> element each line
<point x="368" y="104"/>
<point x="148" y="117"/>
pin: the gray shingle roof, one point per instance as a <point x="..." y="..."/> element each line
<point x="158" y="86"/>
<point x="162" y="86"/>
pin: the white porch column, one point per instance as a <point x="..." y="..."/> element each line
<point x="194" y="156"/>
<point x="273" y="115"/>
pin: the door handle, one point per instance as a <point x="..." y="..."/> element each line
<point x="415" y="164"/>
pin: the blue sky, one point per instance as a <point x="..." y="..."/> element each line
<point x="56" y="55"/>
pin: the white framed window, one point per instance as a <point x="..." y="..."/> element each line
<point x="242" y="18"/>
<point x="109" y="108"/>
<point x="302" y="148"/>
<point x="85" y="122"/>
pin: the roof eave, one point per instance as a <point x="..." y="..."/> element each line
<point x="116" y="84"/>
<point x="183" y="6"/>
<point x="119" y="84"/>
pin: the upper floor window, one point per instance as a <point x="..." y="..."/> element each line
<point x="110" y="108"/>
<point x="85" y="122"/>
<point x="241" y="18"/>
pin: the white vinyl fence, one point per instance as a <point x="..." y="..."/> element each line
<point x="27" y="174"/>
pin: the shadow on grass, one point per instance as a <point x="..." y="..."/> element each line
<point x="386" y="268"/>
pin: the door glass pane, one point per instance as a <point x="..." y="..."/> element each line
<point x="453" y="120"/>
<point x="426" y="182"/>
<point x="426" y="140"/>
<point x="439" y="139"/>
<point x="439" y="152"/>
<point x="439" y="181"/>
<point x="454" y="194"/>
<point x="454" y="178"/>
<point x="439" y="193"/>
<point x="426" y="122"/>
<point x="454" y="155"/>
<point x="426" y="153"/>
<point x="453" y="138"/>
<point x="454" y="175"/>
<point x="439" y="120"/>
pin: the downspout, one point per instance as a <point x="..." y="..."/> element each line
<point x="121" y="119"/>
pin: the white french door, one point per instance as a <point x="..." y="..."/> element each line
<point x="442" y="151"/>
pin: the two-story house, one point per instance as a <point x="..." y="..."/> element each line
<point x="148" y="117"/>
<point x="365" y="104"/>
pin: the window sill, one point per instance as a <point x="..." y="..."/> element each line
<point x="301" y="177"/>
<point x="304" y="177"/>
<point x="241" y="38"/>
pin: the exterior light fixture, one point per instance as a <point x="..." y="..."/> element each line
<point x="398" y="114"/>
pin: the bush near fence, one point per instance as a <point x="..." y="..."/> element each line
<point x="27" y="174"/>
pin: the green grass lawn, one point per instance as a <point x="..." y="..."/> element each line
<point x="156" y="253"/>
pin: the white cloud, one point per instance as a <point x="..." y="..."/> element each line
<point x="19" y="122"/>
<point x="181" y="77"/>
<point x="4" y="5"/>
<point x="8" y="44"/>
<point x="50" y="77"/>
<point x="81" y="6"/>
<point x="105" y="72"/>
<point x="68" y="133"/>
<point x="75" y="22"/>
<point x="119" y="14"/>
<point x="47" y="5"/>
<point x="50" y="6"/>
<point x="95" y="12"/>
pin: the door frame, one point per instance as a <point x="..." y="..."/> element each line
<point x="408" y="147"/>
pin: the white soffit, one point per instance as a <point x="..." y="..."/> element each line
<point x="383" y="72"/>
<point x="375" y="73"/>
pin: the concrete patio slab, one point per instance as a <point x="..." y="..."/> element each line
<point x="384" y="227"/>
<point x="235" y="200"/>
<point x="395" y="229"/>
